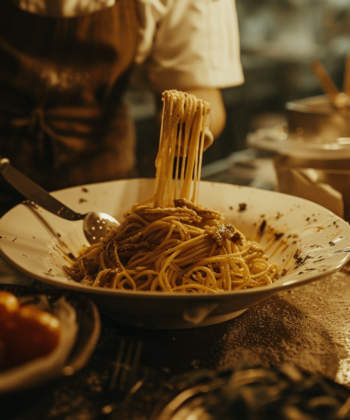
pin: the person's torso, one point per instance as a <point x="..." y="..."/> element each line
<point x="61" y="84"/>
<point x="70" y="61"/>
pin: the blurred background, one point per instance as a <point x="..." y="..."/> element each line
<point x="279" y="39"/>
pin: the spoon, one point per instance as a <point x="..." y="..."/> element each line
<point x="96" y="225"/>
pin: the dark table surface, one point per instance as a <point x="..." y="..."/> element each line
<point x="307" y="326"/>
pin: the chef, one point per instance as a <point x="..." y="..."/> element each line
<point x="65" y="65"/>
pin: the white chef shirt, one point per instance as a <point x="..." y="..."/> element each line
<point x="184" y="43"/>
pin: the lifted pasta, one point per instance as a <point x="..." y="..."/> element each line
<point x="170" y="243"/>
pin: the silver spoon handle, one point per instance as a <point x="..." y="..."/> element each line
<point x="35" y="193"/>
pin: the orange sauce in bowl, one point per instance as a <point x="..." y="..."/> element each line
<point x="26" y="332"/>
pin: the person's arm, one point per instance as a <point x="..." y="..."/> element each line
<point x="193" y="46"/>
<point x="217" y="111"/>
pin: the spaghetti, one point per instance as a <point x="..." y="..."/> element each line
<point x="170" y="243"/>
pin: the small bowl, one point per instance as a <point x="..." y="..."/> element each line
<point x="314" y="119"/>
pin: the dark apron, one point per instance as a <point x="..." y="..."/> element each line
<point x="62" y="120"/>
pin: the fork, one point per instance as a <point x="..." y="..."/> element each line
<point x="125" y="379"/>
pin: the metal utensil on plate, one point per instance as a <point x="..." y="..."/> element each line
<point x="96" y="225"/>
<point x="126" y="377"/>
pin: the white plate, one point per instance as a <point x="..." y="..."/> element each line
<point x="276" y="139"/>
<point x="35" y="244"/>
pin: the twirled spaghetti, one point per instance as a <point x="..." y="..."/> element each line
<point x="170" y="243"/>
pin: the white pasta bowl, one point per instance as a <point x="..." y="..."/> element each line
<point x="303" y="238"/>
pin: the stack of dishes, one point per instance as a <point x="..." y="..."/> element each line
<point x="313" y="152"/>
<point x="313" y="130"/>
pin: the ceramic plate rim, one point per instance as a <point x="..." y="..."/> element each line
<point x="286" y="145"/>
<point x="273" y="288"/>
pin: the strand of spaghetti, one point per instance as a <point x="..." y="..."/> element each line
<point x="167" y="148"/>
<point x="150" y="278"/>
<point x="176" y="268"/>
<point x="124" y="271"/>
<point x="130" y="280"/>
<point x="143" y="261"/>
<point x="253" y="255"/>
<point x="157" y="236"/>
<point x="140" y="268"/>
<point x="145" y="285"/>
<point x="189" y="118"/>
<point x="151" y="257"/>
<point x="91" y="253"/>
<point x="228" y="282"/>
<point x="194" y="231"/>
<point x="185" y="260"/>
<point x="210" y="254"/>
<point x="228" y="246"/>
<point x="221" y="259"/>
<point x="245" y="269"/>
<point x="221" y="280"/>
<point x="134" y="228"/>
<point x="193" y="285"/>
<point x="234" y="260"/>
<point x="187" y="244"/>
<point x="182" y="213"/>
<point x="121" y="239"/>
<point x="161" y="179"/>
<point x="113" y="282"/>
<point x="198" y="251"/>
<point x="157" y="240"/>
<point x="182" y="229"/>
<point x="174" y="143"/>
<point x="267" y="279"/>
<point x="207" y="271"/>
<point x="118" y="281"/>
<point x="102" y="261"/>
<point x="171" y="230"/>
<point x="258" y="268"/>
<point x="179" y="150"/>
<point x="185" y="131"/>
<point x="132" y="222"/>
<point x="182" y="250"/>
<point x="163" y="281"/>
<point x="137" y="217"/>
<point x="160" y="261"/>
<point x="201" y="278"/>
<point x="146" y="272"/>
<point x="200" y="154"/>
<point x="155" y="285"/>
<point x="192" y="155"/>
<point x="158" y="162"/>
<point x="93" y="247"/>
<point x="122" y="283"/>
<point x="172" y="276"/>
<point x="191" y="174"/>
<point x="152" y="227"/>
<point x="100" y="275"/>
